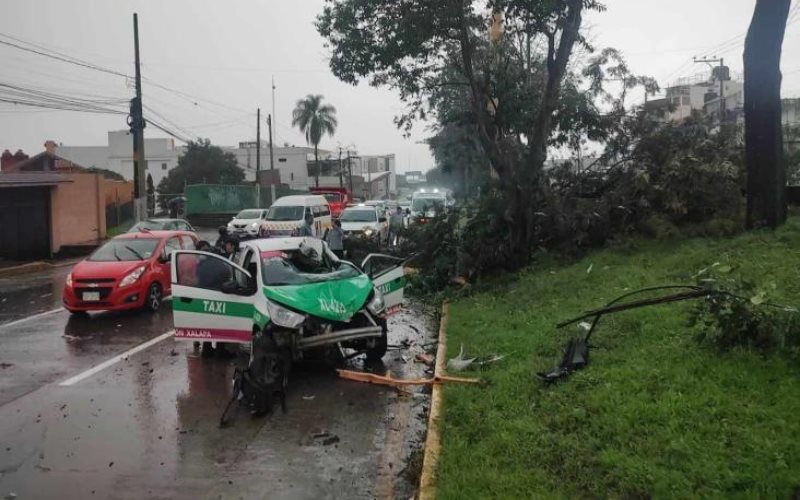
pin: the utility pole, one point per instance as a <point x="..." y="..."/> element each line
<point x="721" y="77"/>
<point x="341" y="180"/>
<point x="271" y="156"/>
<point x="136" y="123"/>
<point x="258" y="156"/>
<point x="258" y="142"/>
<point x="273" y="99"/>
<point x="350" y="172"/>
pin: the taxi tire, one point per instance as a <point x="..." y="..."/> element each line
<point x="378" y="351"/>
<point x="271" y="368"/>
<point x="154" y="298"/>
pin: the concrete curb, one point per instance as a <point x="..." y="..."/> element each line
<point x="433" y="444"/>
<point x="32" y="267"/>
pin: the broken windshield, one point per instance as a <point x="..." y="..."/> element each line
<point x="292" y="268"/>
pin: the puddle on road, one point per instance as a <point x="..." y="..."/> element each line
<point x="28" y="294"/>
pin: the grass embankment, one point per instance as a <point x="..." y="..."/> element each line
<point x="654" y="414"/>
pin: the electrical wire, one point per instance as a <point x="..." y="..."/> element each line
<point x="735" y="42"/>
<point x="52" y="54"/>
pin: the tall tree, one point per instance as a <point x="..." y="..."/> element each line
<point x="766" y="171"/>
<point x="409" y="45"/>
<point x="202" y="163"/>
<point x="314" y="119"/>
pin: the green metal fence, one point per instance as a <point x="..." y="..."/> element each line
<point x="206" y="199"/>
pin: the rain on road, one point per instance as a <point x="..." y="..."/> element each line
<point x="81" y="416"/>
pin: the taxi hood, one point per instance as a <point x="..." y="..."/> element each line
<point x="336" y="300"/>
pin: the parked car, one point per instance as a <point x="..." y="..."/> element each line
<point x="161" y="225"/>
<point x="130" y="271"/>
<point x="249" y="223"/>
<point x="364" y="221"/>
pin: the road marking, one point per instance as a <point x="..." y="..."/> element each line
<point x="116" y="359"/>
<point x="23" y="320"/>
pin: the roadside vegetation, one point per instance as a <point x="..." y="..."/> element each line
<point x="656" y="413"/>
<point x="680" y="400"/>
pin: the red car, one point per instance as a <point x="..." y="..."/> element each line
<point x="130" y="271"/>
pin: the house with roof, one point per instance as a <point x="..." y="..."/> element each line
<point x="49" y="205"/>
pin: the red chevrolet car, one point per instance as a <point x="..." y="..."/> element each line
<point x="129" y="271"/>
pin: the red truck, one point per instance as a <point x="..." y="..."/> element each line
<point x="338" y="198"/>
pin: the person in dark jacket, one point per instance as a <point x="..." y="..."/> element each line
<point x="219" y="245"/>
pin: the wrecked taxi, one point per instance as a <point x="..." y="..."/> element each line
<point x="293" y="292"/>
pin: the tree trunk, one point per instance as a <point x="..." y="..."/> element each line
<point x="521" y="178"/>
<point x="766" y="170"/>
<point x="316" y="162"/>
<point x="527" y="190"/>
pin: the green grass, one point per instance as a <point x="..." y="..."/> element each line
<point x="654" y="414"/>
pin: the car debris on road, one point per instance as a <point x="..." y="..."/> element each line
<point x="372" y="378"/>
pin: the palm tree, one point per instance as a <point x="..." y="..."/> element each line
<point x="315" y="120"/>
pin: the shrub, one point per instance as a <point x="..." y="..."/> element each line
<point x="729" y="320"/>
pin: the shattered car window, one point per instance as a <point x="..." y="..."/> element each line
<point x="292" y="268"/>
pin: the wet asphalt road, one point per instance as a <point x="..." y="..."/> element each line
<point x="146" y="426"/>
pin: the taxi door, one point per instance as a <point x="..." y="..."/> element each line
<point x="388" y="275"/>
<point x="212" y="298"/>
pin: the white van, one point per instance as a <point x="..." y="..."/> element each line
<point x="286" y="215"/>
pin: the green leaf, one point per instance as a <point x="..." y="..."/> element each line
<point x="724" y="269"/>
<point x="758" y="299"/>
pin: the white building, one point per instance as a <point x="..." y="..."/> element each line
<point x="369" y="166"/>
<point x="291" y="162"/>
<point x="117" y="156"/>
<point x="162" y="156"/>
<point x="702" y="94"/>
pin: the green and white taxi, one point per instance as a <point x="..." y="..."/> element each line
<point x="294" y="290"/>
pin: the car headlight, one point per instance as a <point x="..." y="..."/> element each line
<point x="376" y="305"/>
<point x="132" y="276"/>
<point x="368" y="232"/>
<point x="284" y="317"/>
<point x="254" y="225"/>
<point x="68" y="282"/>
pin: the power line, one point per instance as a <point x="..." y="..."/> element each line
<point x="64" y="59"/>
<point x="168" y="131"/>
<point x="63" y="107"/>
<point x="168" y="121"/>
<point x="52" y="54"/>
<point x="734" y="42"/>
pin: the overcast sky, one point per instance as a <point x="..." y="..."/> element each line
<point x="224" y="55"/>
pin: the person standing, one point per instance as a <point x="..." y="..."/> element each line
<point x="335" y="239"/>
<point x="306" y="229"/>
<point x="219" y="245"/>
<point x="396" y="222"/>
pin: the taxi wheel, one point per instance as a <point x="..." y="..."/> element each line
<point x="378" y="349"/>
<point x="154" y="298"/>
